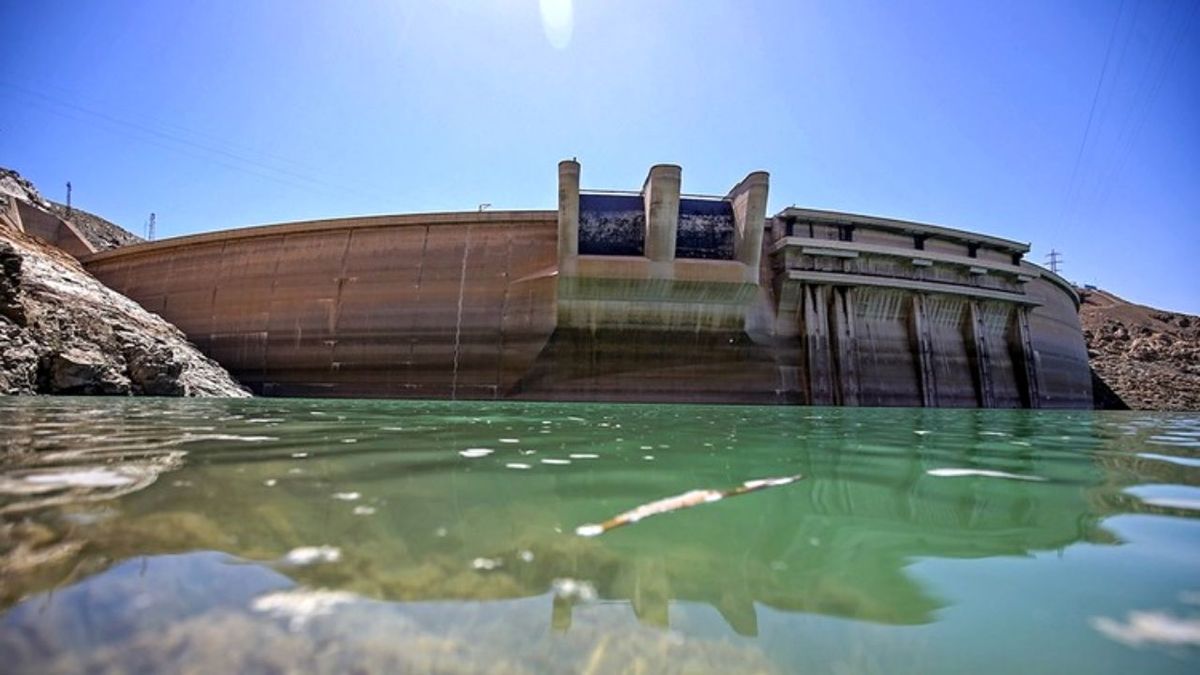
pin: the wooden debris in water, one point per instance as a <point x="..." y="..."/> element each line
<point x="681" y="501"/>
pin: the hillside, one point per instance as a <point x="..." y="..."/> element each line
<point x="102" y="234"/>
<point x="64" y="332"/>
<point x="1148" y="357"/>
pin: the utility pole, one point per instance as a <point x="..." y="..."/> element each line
<point x="1054" y="259"/>
<point x="68" y="198"/>
<point x="150" y="228"/>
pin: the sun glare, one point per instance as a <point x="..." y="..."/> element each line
<point x="557" y="22"/>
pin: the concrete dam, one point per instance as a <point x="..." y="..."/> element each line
<point x="649" y="295"/>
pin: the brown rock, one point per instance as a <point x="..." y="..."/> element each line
<point x="1157" y="369"/>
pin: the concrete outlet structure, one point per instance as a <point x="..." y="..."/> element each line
<point x="654" y="295"/>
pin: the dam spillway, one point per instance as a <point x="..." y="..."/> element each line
<point x="653" y="295"/>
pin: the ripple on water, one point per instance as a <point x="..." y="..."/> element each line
<point x="1193" y="462"/>
<point x="1183" y="497"/>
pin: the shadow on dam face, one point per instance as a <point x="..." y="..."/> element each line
<point x="634" y="296"/>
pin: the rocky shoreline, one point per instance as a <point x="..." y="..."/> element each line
<point x="64" y="332"/>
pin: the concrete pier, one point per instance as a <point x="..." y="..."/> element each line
<point x="568" y="215"/>
<point x="660" y="193"/>
<point x="749" y="199"/>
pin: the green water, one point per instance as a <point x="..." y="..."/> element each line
<point x="367" y="536"/>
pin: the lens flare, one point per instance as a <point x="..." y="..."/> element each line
<point x="557" y="21"/>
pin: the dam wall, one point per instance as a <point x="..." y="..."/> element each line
<point x="649" y="295"/>
<point x="431" y="306"/>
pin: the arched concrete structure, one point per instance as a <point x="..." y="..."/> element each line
<point x="639" y="296"/>
<point x="421" y="306"/>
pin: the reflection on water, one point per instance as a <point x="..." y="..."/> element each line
<point x="334" y="535"/>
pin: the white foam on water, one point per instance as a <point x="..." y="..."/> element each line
<point x="270" y="482"/>
<point x="299" y="455"/>
<point x="300" y="605"/>
<point x="648" y="458"/>
<point x="551" y="460"/>
<point x="527" y="556"/>
<point x="949" y="472"/>
<point x="474" y="453"/>
<point x="347" y="496"/>
<point x="510" y="440"/>
<point x="645" y="447"/>
<point x="486" y="564"/>
<point x="583" y="455"/>
<point x="312" y="555"/>
<point x="518" y="465"/>
<point x="571" y="589"/>
<point x="83" y="478"/>
<point x="922" y="432"/>
<point x="364" y="510"/>
<point x="349" y="440"/>
<point x="1150" y="627"/>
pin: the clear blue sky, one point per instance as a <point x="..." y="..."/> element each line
<point x="1073" y="125"/>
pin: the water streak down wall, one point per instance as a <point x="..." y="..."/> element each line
<point x="640" y="296"/>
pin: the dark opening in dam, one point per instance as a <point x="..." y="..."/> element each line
<point x="705" y="229"/>
<point x="614" y="224"/>
<point x="611" y="224"/>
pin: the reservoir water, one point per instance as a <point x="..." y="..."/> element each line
<point x="268" y="535"/>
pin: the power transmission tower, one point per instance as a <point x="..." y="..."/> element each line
<point x="1054" y="259"/>
<point x="68" y="198"/>
<point x="150" y="228"/>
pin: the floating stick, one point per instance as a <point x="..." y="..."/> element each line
<point x="682" y="501"/>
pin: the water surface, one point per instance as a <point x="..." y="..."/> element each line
<point x="333" y="536"/>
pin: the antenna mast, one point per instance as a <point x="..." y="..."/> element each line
<point x="150" y="228"/>
<point x="68" y="198"/>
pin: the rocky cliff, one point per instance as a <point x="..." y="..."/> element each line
<point x="63" y="332"/>
<point x="1147" y="358"/>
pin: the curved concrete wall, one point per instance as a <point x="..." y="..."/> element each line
<point x="832" y="308"/>
<point x="428" y="306"/>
